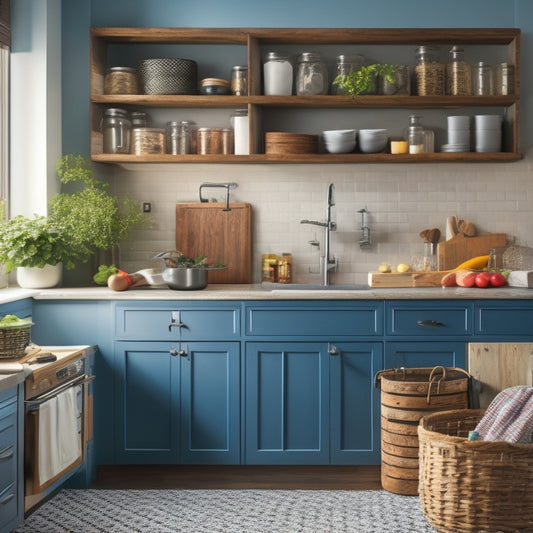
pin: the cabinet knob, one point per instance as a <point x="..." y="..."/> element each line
<point x="333" y="350"/>
<point x="430" y="324"/>
<point x="173" y="352"/>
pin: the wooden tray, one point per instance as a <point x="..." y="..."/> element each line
<point x="407" y="279"/>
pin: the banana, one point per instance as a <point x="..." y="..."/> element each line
<point x="476" y="263"/>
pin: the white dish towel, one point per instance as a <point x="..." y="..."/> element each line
<point x="59" y="433"/>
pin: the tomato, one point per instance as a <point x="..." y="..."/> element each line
<point x="483" y="280"/>
<point x="497" y="279"/>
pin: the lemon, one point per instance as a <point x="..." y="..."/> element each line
<point x="402" y="267"/>
<point x="384" y="268"/>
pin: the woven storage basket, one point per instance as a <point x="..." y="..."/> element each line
<point x="168" y="76"/>
<point x="13" y="341"/>
<point x="473" y="486"/>
<point x="408" y="394"/>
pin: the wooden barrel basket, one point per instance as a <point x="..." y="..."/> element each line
<point x="408" y="394"/>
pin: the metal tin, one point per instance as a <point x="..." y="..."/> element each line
<point x="148" y="141"/>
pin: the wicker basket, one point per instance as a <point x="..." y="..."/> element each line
<point x="13" y="341"/>
<point x="473" y="486"/>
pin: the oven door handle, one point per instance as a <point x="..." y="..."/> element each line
<point x="58" y="390"/>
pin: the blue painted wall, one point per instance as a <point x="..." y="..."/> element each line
<point x="78" y="16"/>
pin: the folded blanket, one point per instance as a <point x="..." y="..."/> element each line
<point x="509" y="416"/>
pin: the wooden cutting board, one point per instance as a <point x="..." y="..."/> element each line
<point x="406" y="279"/>
<point x="456" y="250"/>
<point x="223" y="236"/>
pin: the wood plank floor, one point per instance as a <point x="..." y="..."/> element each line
<point x="238" y="477"/>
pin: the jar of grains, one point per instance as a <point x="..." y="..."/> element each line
<point x="311" y="75"/>
<point x="482" y="84"/>
<point x="239" y="81"/>
<point x="285" y="268"/>
<point x="504" y="83"/>
<point x="458" y="74"/>
<point x="121" y="80"/>
<point x="277" y="74"/>
<point x="429" y="72"/>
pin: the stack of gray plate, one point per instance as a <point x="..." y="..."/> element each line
<point x="168" y="76"/>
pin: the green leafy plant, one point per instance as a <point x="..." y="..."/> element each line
<point x="365" y="79"/>
<point x="36" y="242"/>
<point x="94" y="218"/>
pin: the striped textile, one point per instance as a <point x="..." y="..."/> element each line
<point x="509" y="416"/>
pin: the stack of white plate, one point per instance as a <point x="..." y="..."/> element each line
<point x="458" y="134"/>
<point x="488" y="133"/>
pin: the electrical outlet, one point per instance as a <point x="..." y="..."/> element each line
<point x="147" y="207"/>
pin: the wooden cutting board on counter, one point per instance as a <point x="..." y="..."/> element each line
<point x="398" y="280"/>
<point x="223" y="236"/>
<point x="458" y="249"/>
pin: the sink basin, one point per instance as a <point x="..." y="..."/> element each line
<point x="313" y="287"/>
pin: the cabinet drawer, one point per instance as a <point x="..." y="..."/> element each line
<point x="428" y="319"/>
<point x="8" y="448"/>
<point x="161" y="323"/>
<point x="509" y="318"/>
<point x="318" y="321"/>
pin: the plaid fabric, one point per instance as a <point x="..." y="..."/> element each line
<point x="509" y="417"/>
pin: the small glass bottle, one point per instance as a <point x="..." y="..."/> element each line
<point x="429" y="72"/>
<point x="285" y="268"/>
<point x="458" y="74"/>
<point x="311" y="75"/>
<point x="277" y="74"/>
<point x="239" y="81"/>
<point x="345" y="65"/>
<point x="482" y="82"/>
<point x="415" y="135"/>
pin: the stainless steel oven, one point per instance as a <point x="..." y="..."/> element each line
<point x="58" y="418"/>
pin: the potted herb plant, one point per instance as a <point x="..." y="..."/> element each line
<point x="94" y="218"/>
<point x="365" y="79"/>
<point x="38" y="249"/>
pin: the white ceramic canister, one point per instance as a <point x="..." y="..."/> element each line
<point x="241" y="133"/>
<point x="277" y="74"/>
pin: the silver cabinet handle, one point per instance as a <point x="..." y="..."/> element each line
<point x="7" y="453"/>
<point x="176" y="325"/>
<point x="430" y="324"/>
<point x="332" y="349"/>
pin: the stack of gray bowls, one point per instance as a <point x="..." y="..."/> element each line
<point x="458" y="134"/>
<point x="488" y="133"/>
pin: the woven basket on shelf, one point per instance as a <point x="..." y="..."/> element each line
<point x="13" y="341"/>
<point x="473" y="486"/>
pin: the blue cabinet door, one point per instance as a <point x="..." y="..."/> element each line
<point x="177" y="409"/>
<point x="354" y="400"/>
<point x="287" y="403"/>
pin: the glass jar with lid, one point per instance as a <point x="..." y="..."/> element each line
<point x="239" y="80"/>
<point x="344" y="65"/>
<point x="458" y="74"/>
<point x="415" y="135"/>
<point x="116" y="131"/>
<point x="429" y="72"/>
<point x="277" y="74"/>
<point x="311" y="75"/>
<point x="178" y="137"/>
<point x="482" y="83"/>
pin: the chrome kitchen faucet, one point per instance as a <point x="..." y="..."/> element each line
<point x="327" y="263"/>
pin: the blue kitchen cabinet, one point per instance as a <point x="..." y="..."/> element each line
<point x="11" y="462"/>
<point x="425" y="354"/>
<point x="172" y="408"/>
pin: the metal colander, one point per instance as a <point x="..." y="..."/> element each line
<point x="168" y="76"/>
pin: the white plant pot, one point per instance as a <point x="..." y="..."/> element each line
<point x="40" y="277"/>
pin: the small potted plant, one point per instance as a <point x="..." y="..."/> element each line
<point x="38" y="249"/>
<point x="365" y="79"/>
<point x="94" y="218"/>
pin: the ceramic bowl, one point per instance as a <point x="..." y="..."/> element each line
<point x="339" y="141"/>
<point x="373" y="141"/>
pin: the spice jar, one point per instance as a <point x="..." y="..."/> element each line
<point x="458" y="74"/>
<point x="429" y="72"/>
<point x="285" y="268"/>
<point x="116" y="131"/>
<point x="269" y="271"/>
<point x="178" y="137"/>
<point x="239" y="81"/>
<point x="121" y="80"/>
<point x="277" y="74"/>
<point x="345" y="65"/>
<point x="482" y="82"/>
<point x="311" y="75"/>
<point x="504" y="83"/>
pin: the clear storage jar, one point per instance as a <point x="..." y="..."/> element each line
<point x="483" y="79"/>
<point x="239" y="80"/>
<point x="116" y="131"/>
<point x="429" y="72"/>
<point x="458" y="74"/>
<point x="178" y="137"/>
<point x="504" y="83"/>
<point x="311" y="75"/>
<point x="121" y="80"/>
<point x="277" y="74"/>
<point x="344" y="65"/>
<point x="415" y="136"/>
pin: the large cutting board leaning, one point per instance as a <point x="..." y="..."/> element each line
<point x="224" y="236"/>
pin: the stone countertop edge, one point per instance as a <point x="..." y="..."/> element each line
<point x="10" y="380"/>
<point x="257" y="292"/>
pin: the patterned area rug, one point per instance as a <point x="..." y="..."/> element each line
<point x="227" y="511"/>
